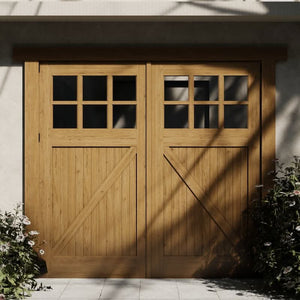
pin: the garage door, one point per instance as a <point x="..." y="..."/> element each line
<point x="204" y="162"/>
<point x="146" y="175"/>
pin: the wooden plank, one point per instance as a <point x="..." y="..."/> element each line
<point x="45" y="163"/>
<point x="182" y="210"/>
<point x="73" y="227"/>
<point x="79" y="199"/>
<point x="148" y="54"/>
<point x="117" y="205"/>
<point x="190" y="211"/>
<point x="199" y="192"/>
<point x="148" y="162"/>
<point x="102" y="206"/>
<point x="32" y="200"/>
<point x="140" y="198"/>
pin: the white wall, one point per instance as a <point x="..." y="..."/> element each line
<point x="158" y="33"/>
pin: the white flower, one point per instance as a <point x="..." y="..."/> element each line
<point x="267" y="244"/>
<point x="31" y="243"/>
<point x="287" y="270"/>
<point x="298" y="228"/>
<point x="26" y="221"/>
<point x="20" y="238"/>
<point x="4" y="247"/>
<point x="42" y="252"/>
<point x="15" y="223"/>
<point x="33" y="232"/>
<point x="292" y="203"/>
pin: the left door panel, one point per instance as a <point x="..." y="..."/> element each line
<point x="92" y="170"/>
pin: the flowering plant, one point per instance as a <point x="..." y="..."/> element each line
<point x="18" y="259"/>
<point x="277" y="233"/>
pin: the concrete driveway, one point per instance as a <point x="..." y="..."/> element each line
<point x="152" y="289"/>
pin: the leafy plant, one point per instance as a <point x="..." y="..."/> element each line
<point x="18" y="259"/>
<point x="277" y="230"/>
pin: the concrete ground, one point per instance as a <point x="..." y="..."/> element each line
<point x="151" y="289"/>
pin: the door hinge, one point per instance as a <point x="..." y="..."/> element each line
<point x="39" y="137"/>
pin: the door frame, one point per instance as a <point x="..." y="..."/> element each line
<point x="32" y="57"/>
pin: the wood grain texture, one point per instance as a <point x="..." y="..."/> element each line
<point x="93" y="181"/>
<point x="82" y="167"/>
<point x="100" y="187"/>
<point x="202" y="179"/>
<point x="31" y="145"/>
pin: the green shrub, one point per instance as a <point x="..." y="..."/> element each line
<point x="277" y="230"/>
<point x="18" y="259"/>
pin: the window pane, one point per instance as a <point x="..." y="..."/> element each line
<point x="206" y="88"/>
<point x="176" y="116"/>
<point x="206" y="116"/>
<point x="124" y="116"/>
<point x="176" y="88"/>
<point x="236" y="116"/>
<point x="236" y="88"/>
<point x="64" y="116"/>
<point x="124" y="88"/>
<point x="65" y="88"/>
<point x="94" y="88"/>
<point x="94" y="116"/>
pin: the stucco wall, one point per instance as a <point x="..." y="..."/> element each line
<point x="191" y="33"/>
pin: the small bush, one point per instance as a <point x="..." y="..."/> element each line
<point x="18" y="259"/>
<point x="277" y="230"/>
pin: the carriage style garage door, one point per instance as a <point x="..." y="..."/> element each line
<point x="145" y="170"/>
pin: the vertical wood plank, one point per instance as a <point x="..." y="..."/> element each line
<point x="182" y="210"/>
<point x="45" y="159"/>
<point x="32" y="199"/>
<point x="140" y="167"/>
<point x="132" y="209"/>
<point x="79" y="198"/>
<point x="102" y="205"/>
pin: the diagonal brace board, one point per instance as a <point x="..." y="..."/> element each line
<point x="96" y="197"/>
<point x="200" y="194"/>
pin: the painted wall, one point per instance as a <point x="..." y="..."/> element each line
<point x="158" y="33"/>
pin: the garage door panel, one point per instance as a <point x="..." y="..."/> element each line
<point x="207" y="161"/>
<point x="110" y="228"/>
<point x="189" y="228"/>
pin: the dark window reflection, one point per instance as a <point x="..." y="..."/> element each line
<point x="94" y="116"/>
<point x="206" y="88"/>
<point x="176" y="88"/>
<point x="124" y="116"/>
<point x="236" y="88"/>
<point x="236" y="116"/>
<point x="206" y="116"/>
<point x="176" y="116"/>
<point x="64" y="116"/>
<point x="124" y="87"/>
<point x="94" y="87"/>
<point x="65" y="88"/>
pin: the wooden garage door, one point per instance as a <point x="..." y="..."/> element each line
<point x="106" y="182"/>
<point x="203" y="164"/>
<point x="92" y="168"/>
